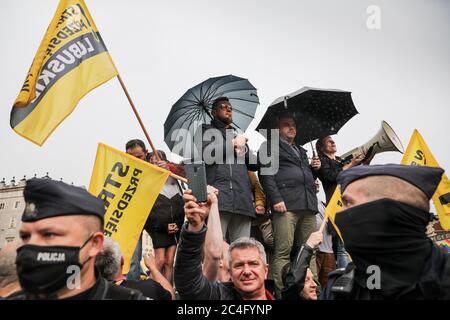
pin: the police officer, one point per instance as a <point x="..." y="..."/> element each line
<point x="383" y="224"/>
<point x="61" y="233"/>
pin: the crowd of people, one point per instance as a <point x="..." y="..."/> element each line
<point x="256" y="238"/>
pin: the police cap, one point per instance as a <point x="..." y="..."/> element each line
<point x="46" y="198"/>
<point x="425" y="178"/>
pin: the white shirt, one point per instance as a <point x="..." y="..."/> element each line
<point x="170" y="188"/>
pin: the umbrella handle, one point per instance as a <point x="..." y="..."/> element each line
<point x="285" y="102"/>
<point x="313" y="150"/>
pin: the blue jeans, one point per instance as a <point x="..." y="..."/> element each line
<point x="135" y="267"/>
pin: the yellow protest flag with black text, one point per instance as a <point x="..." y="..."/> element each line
<point x="72" y="60"/>
<point x="129" y="187"/>
<point x="334" y="206"/>
<point x="417" y="153"/>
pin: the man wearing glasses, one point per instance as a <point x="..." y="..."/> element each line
<point x="226" y="173"/>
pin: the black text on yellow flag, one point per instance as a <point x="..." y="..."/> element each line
<point x="417" y="153"/>
<point x="129" y="187"/>
<point x="72" y="60"/>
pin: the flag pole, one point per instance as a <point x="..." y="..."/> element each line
<point x="324" y="221"/>
<point x="155" y="151"/>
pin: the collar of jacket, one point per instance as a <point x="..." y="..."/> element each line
<point x="288" y="148"/>
<point x="219" y="124"/>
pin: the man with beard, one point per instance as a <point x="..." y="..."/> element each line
<point x="228" y="172"/>
<point x="386" y="211"/>
<point x="62" y="233"/>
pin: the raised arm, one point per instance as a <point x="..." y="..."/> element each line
<point x="149" y="260"/>
<point x="213" y="242"/>
<point x="189" y="279"/>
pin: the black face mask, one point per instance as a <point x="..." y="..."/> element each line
<point x="390" y="235"/>
<point x="43" y="270"/>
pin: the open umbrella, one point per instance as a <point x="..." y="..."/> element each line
<point x="194" y="107"/>
<point x="317" y="112"/>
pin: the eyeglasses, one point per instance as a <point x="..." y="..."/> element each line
<point x="226" y="107"/>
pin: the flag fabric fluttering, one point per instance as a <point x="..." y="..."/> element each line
<point x="129" y="187"/>
<point x="417" y="153"/>
<point x="334" y="206"/>
<point x="72" y="60"/>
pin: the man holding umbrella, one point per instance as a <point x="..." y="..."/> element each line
<point x="227" y="173"/>
<point x="301" y="116"/>
<point x="291" y="192"/>
<point x="202" y="125"/>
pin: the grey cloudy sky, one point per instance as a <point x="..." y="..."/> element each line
<point x="399" y="73"/>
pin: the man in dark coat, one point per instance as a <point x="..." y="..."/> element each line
<point x="291" y="192"/>
<point x="226" y="155"/>
<point x="383" y="225"/>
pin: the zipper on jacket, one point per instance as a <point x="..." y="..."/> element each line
<point x="231" y="177"/>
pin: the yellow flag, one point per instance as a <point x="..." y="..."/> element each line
<point x="334" y="206"/>
<point x="418" y="154"/>
<point x="129" y="187"/>
<point x="71" y="61"/>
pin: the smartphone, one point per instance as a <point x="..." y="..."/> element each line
<point x="196" y="176"/>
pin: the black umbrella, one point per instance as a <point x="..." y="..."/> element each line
<point x="194" y="107"/>
<point x="318" y="112"/>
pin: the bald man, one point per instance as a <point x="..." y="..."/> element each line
<point x="383" y="224"/>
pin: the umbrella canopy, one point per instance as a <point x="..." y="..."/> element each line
<point x="194" y="108"/>
<point x="317" y="112"/>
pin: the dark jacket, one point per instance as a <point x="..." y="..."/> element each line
<point x="102" y="290"/>
<point x="328" y="173"/>
<point x="433" y="284"/>
<point x="294" y="181"/>
<point x="231" y="179"/>
<point x="150" y="288"/>
<point x="188" y="275"/>
<point x="295" y="278"/>
<point x="165" y="211"/>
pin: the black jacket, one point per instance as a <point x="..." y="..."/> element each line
<point x="165" y="211"/>
<point x="295" y="279"/>
<point x="188" y="275"/>
<point x="231" y="179"/>
<point x="433" y="284"/>
<point x="150" y="288"/>
<point x="294" y="181"/>
<point x="102" y="290"/>
<point x="328" y="173"/>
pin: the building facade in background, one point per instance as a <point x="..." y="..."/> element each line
<point x="12" y="205"/>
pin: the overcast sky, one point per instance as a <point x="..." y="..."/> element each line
<point x="399" y="73"/>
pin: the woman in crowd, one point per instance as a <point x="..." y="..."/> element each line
<point x="166" y="218"/>
<point x="328" y="172"/>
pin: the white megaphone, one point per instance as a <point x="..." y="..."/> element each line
<point x="384" y="140"/>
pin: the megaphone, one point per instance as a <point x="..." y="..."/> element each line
<point x="384" y="140"/>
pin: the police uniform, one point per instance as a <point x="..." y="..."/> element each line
<point x="389" y="235"/>
<point x="45" y="199"/>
